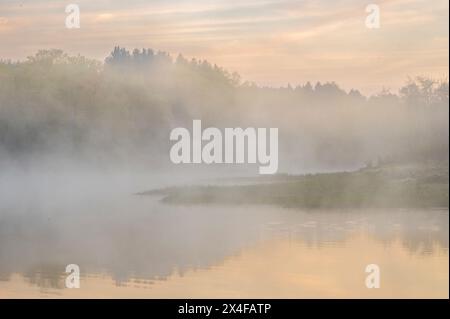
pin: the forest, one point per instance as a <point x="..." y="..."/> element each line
<point x="121" y="110"/>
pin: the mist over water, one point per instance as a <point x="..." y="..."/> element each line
<point x="131" y="238"/>
<point x="80" y="138"/>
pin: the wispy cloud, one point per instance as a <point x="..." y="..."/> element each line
<point x="269" y="41"/>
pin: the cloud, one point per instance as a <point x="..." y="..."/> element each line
<point x="267" y="41"/>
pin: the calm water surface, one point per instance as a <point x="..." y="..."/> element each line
<point x="132" y="246"/>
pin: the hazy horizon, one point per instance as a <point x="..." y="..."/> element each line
<point x="271" y="43"/>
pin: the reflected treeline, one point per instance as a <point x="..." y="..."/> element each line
<point x="421" y="232"/>
<point x="134" y="238"/>
<point x="58" y="106"/>
<point x="125" y="238"/>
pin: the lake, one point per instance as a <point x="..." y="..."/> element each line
<point x="131" y="246"/>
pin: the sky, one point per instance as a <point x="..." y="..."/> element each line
<point x="270" y="42"/>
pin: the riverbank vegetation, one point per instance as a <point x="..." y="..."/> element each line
<point x="387" y="186"/>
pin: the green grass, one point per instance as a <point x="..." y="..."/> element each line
<point x="369" y="188"/>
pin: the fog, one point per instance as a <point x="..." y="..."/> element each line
<point x="80" y="138"/>
<point x="129" y="237"/>
<point x="61" y="112"/>
<point x="72" y="128"/>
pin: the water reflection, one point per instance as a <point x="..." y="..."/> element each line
<point x="124" y="242"/>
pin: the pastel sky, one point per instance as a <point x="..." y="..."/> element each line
<point x="271" y="42"/>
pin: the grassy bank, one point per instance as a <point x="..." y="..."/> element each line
<point x="389" y="186"/>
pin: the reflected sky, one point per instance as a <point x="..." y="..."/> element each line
<point x="134" y="246"/>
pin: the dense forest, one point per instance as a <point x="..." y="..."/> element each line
<point x="57" y="106"/>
